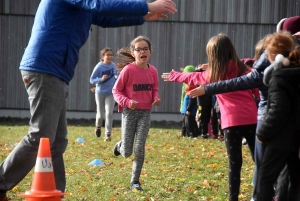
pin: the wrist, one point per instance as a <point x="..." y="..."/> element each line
<point x="205" y="89"/>
<point x="150" y="7"/>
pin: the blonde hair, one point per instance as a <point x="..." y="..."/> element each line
<point x="220" y="52"/>
<point x="124" y="56"/>
<point x="260" y="47"/>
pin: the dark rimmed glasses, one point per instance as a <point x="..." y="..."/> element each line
<point x="145" y="49"/>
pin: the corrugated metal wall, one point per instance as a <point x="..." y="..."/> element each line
<point x="177" y="41"/>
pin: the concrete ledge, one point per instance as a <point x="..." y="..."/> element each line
<point x="25" y="114"/>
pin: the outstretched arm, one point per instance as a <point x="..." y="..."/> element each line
<point x="112" y="8"/>
<point x="254" y="79"/>
<point x="166" y="76"/>
<point x="193" y="78"/>
<point x="137" y="11"/>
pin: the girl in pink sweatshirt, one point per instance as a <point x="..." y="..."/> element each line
<point x="135" y="91"/>
<point x="238" y="109"/>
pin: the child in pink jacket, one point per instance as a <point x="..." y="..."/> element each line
<point x="135" y="91"/>
<point x="238" y="109"/>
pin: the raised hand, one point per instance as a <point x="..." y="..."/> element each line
<point x="162" y="6"/>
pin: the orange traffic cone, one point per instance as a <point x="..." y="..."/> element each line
<point x="43" y="186"/>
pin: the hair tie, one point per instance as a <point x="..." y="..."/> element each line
<point x="282" y="59"/>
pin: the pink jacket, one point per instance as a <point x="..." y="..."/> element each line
<point x="237" y="108"/>
<point x="137" y="84"/>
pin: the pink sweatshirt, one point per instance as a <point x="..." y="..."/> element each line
<point x="237" y="108"/>
<point x="137" y="84"/>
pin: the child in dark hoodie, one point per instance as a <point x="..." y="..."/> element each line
<point x="280" y="130"/>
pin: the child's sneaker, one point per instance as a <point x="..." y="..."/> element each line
<point x="98" y="132"/>
<point x="117" y="149"/>
<point x="244" y="141"/>
<point x="107" y="139"/>
<point x="136" y="186"/>
<point x="205" y="136"/>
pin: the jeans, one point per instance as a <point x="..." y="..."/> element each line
<point x="258" y="153"/>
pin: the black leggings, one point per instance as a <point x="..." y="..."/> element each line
<point x="233" y="140"/>
<point x="191" y="126"/>
<point x="204" y="119"/>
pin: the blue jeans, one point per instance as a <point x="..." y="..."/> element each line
<point x="258" y="154"/>
<point x="47" y="98"/>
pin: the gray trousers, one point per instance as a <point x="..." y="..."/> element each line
<point x="47" y="98"/>
<point x="105" y="104"/>
<point x="135" y="125"/>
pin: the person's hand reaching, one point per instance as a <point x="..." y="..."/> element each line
<point x="199" y="91"/>
<point x="296" y="35"/>
<point x="162" y="6"/>
<point x="166" y="76"/>
<point x="154" y="16"/>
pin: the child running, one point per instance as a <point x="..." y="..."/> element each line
<point x="238" y="109"/>
<point x="135" y="91"/>
<point x="103" y="76"/>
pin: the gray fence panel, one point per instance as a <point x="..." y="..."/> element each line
<point x="177" y="41"/>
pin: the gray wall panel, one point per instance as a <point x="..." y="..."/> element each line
<point x="19" y="7"/>
<point x="177" y="41"/>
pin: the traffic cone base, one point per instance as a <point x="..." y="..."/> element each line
<point x="43" y="186"/>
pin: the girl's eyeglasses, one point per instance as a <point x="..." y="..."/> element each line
<point x="145" y="49"/>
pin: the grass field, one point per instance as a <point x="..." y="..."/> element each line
<point x="175" y="168"/>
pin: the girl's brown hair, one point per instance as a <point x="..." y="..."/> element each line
<point x="103" y="52"/>
<point x="220" y="52"/>
<point x="124" y="56"/>
<point x="283" y="43"/>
